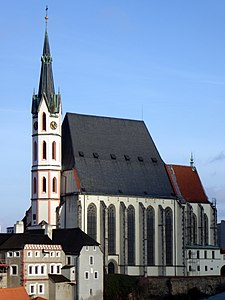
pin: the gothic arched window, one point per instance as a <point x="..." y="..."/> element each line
<point x="111" y="229"/>
<point x="195" y="229"/>
<point x="92" y="221"/>
<point x="35" y="151"/>
<point x="44" y="121"/>
<point x="169" y="235"/>
<point x="44" y="150"/>
<point x="44" y="185"/>
<point x="131" y="234"/>
<point x="35" y="185"/>
<point x="54" y="150"/>
<point x="150" y="236"/>
<point x="206" y="230"/>
<point x="54" y="185"/>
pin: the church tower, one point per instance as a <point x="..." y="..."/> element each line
<point x="46" y="144"/>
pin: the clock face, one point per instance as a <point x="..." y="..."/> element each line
<point x="35" y="125"/>
<point x="53" y="125"/>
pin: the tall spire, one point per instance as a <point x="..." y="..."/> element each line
<point x="46" y="84"/>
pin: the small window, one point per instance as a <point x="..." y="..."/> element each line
<point x="52" y="269"/>
<point x="44" y="121"/>
<point x="57" y="254"/>
<point x="198" y="268"/>
<point x="14" y="270"/>
<point x="54" y="150"/>
<point x="198" y="254"/>
<point x="94" y="248"/>
<point x="91" y="260"/>
<point x="87" y="248"/>
<point x="95" y="154"/>
<point x="81" y="153"/>
<point x="41" y="288"/>
<point x="206" y="268"/>
<point x="54" y="185"/>
<point x="35" y="151"/>
<point x="16" y="254"/>
<point x="29" y="254"/>
<point x="86" y="275"/>
<point x="34" y="217"/>
<point x="213" y="254"/>
<point x="69" y="259"/>
<point x="42" y="269"/>
<point x="35" y="185"/>
<point x="113" y="156"/>
<point x="96" y="275"/>
<point x="90" y="292"/>
<point x="52" y="254"/>
<point x="189" y="268"/>
<point x="189" y="254"/>
<point x="10" y="254"/>
<point x="30" y="270"/>
<point x="140" y="158"/>
<point x="127" y="157"/>
<point x="44" y="150"/>
<point x="37" y="253"/>
<point x="205" y="254"/>
<point x="36" y="270"/>
<point x="58" y="269"/>
<point x="32" y="289"/>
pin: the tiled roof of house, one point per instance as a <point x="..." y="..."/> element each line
<point x="18" y="293"/>
<point x="4" y="237"/>
<point x="187" y="184"/>
<point x="72" y="240"/>
<point x="113" y="156"/>
<point x="19" y="240"/>
<point x="58" y="278"/>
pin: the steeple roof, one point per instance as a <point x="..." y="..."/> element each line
<point x="46" y="85"/>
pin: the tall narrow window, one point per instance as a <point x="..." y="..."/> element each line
<point x="111" y="229"/>
<point x="44" y="185"/>
<point x="206" y="230"/>
<point x="35" y="151"/>
<point x="44" y="121"/>
<point x="195" y="229"/>
<point x="169" y="236"/>
<point x="150" y="235"/>
<point x="54" y="150"/>
<point x="92" y="221"/>
<point x="54" y="185"/>
<point x="44" y="150"/>
<point x="35" y="185"/>
<point x="131" y="234"/>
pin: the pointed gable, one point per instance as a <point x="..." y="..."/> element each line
<point x="187" y="183"/>
<point x="18" y="293"/>
<point x="113" y="156"/>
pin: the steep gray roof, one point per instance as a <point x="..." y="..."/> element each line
<point x="113" y="156"/>
<point x="72" y="240"/>
<point x="19" y="240"/>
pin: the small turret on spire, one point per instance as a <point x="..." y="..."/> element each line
<point x="192" y="162"/>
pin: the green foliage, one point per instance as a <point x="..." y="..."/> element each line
<point x="118" y="286"/>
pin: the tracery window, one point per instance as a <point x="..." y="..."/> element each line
<point x="92" y="221"/>
<point x="44" y="121"/>
<point x="150" y="236"/>
<point x="194" y="229"/>
<point x="131" y="234"/>
<point x="111" y="229"/>
<point x="44" y="150"/>
<point x="169" y="235"/>
<point x="206" y="230"/>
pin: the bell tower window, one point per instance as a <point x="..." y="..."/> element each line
<point x="44" y="121"/>
<point x="35" y="151"/>
<point x="54" y="185"/>
<point x="54" y="150"/>
<point x="44" y="185"/>
<point x="35" y="185"/>
<point x="44" y="152"/>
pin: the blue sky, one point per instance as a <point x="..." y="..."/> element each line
<point x="160" y="60"/>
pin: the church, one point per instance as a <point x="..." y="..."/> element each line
<point x="105" y="176"/>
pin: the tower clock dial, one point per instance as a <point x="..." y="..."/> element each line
<point x="53" y="125"/>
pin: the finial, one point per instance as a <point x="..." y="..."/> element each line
<point x="192" y="162"/>
<point x="46" y="15"/>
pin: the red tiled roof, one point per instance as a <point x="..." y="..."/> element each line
<point x="18" y="293"/>
<point x="185" y="181"/>
<point x="39" y="298"/>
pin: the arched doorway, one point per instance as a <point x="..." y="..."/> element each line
<point x="111" y="268"/>
<point x="222" y="271"/>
